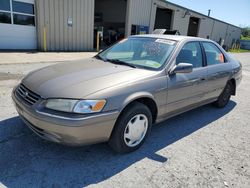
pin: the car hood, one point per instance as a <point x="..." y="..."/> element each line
<point x="81" y="78"/>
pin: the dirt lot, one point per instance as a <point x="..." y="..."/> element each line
<point x="206" y="147"/>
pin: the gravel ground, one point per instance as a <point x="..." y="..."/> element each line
<point x="206" y="147"/>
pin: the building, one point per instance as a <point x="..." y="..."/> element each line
<point x="18" y="25"/>
<point x="72" y="25"/>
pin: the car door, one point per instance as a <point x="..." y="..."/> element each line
<point x="187" y="89"/>
<point x="218" y="69"/>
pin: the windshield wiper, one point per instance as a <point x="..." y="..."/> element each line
<point x="119" y="62"/>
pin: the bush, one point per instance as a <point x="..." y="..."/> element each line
<point x="245" y="34"/>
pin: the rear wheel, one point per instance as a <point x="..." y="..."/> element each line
<point x="224" y="97"/>
<point x="131" y="129"/>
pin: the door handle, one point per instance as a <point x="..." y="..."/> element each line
<point x="199" y="80"/>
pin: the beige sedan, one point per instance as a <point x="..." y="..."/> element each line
<point x="117" y="95"/>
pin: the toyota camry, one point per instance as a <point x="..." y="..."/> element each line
<point x="117" y="95"/>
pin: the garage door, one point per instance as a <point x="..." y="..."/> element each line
<point x="17" y="24"/>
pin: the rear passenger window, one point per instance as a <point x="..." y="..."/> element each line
<point x="213" y="54"/>
<point x="190" y="53"/>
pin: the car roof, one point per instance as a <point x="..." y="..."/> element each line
<point x="171" y="37"/>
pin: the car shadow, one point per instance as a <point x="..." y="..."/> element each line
<point x="28" y="161"/>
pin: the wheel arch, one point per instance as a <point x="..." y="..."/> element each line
<point x="144" y="98"/>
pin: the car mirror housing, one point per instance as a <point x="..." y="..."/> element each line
<point x="182" y="68"/>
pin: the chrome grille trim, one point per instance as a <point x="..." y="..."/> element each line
<point x="27" y="95"/>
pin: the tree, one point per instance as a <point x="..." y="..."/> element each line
<point x="246" y="32"/>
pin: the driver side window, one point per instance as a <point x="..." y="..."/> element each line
<point x="190" y="53"/>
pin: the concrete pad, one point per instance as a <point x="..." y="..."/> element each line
<point x="39" y="57"/>
<point x="205" y="147"/>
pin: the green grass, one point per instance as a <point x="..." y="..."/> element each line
<point x="238" y="50"/>
<point x="244" y="38"/>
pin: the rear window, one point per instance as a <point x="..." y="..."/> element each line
<point x="213" y="54"/>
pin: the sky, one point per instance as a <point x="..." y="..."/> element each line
<point x="236" y="12"/>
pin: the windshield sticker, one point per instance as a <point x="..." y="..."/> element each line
<point x="153" y="64"/>
<point x="165" y="41"/>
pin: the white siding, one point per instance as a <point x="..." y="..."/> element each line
<point x="18" y="37"/>
<point x="206" y="28"/>
<point x="233" y="34"/>
<point x="138" y="13"/>
<point x="219" y="31"/>
<point x="180" y="23"/>
<point x="53" y="15"/>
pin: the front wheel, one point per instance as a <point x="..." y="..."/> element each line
<point x="224" y="97"/>
<point x="131" y="129"/>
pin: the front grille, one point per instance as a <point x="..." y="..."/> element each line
<point x="26" y="95"/>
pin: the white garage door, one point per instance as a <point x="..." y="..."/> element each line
<point x="17" y="24"/>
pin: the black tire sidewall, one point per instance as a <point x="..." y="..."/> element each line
<point x="221" y="102"/>
<point x="117" y="137"/>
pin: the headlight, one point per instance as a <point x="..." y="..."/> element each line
<point x="89" y="106"/>
<point x="75" y="106"/>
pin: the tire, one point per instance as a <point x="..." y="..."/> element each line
<point x="124" y="139"/>
<point x="225" y="96"/>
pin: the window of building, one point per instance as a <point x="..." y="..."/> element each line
<point x="22" y="7"/>
<point x="213" y="54"/>
<point x="21" y="13"/>
<point x="5" y="5"/>
<point x="190" y="53"/>
<point x="23" y="19"/>
<point x="5" y="17"/>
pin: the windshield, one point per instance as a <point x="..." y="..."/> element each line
<point x="140" y="52"/>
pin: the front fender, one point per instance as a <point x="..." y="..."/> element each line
<point x="134" y="96"/>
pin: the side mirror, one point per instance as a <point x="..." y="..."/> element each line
<point x="182" y="68"/>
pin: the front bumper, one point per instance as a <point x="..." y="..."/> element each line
<point x="70" y="131"/>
